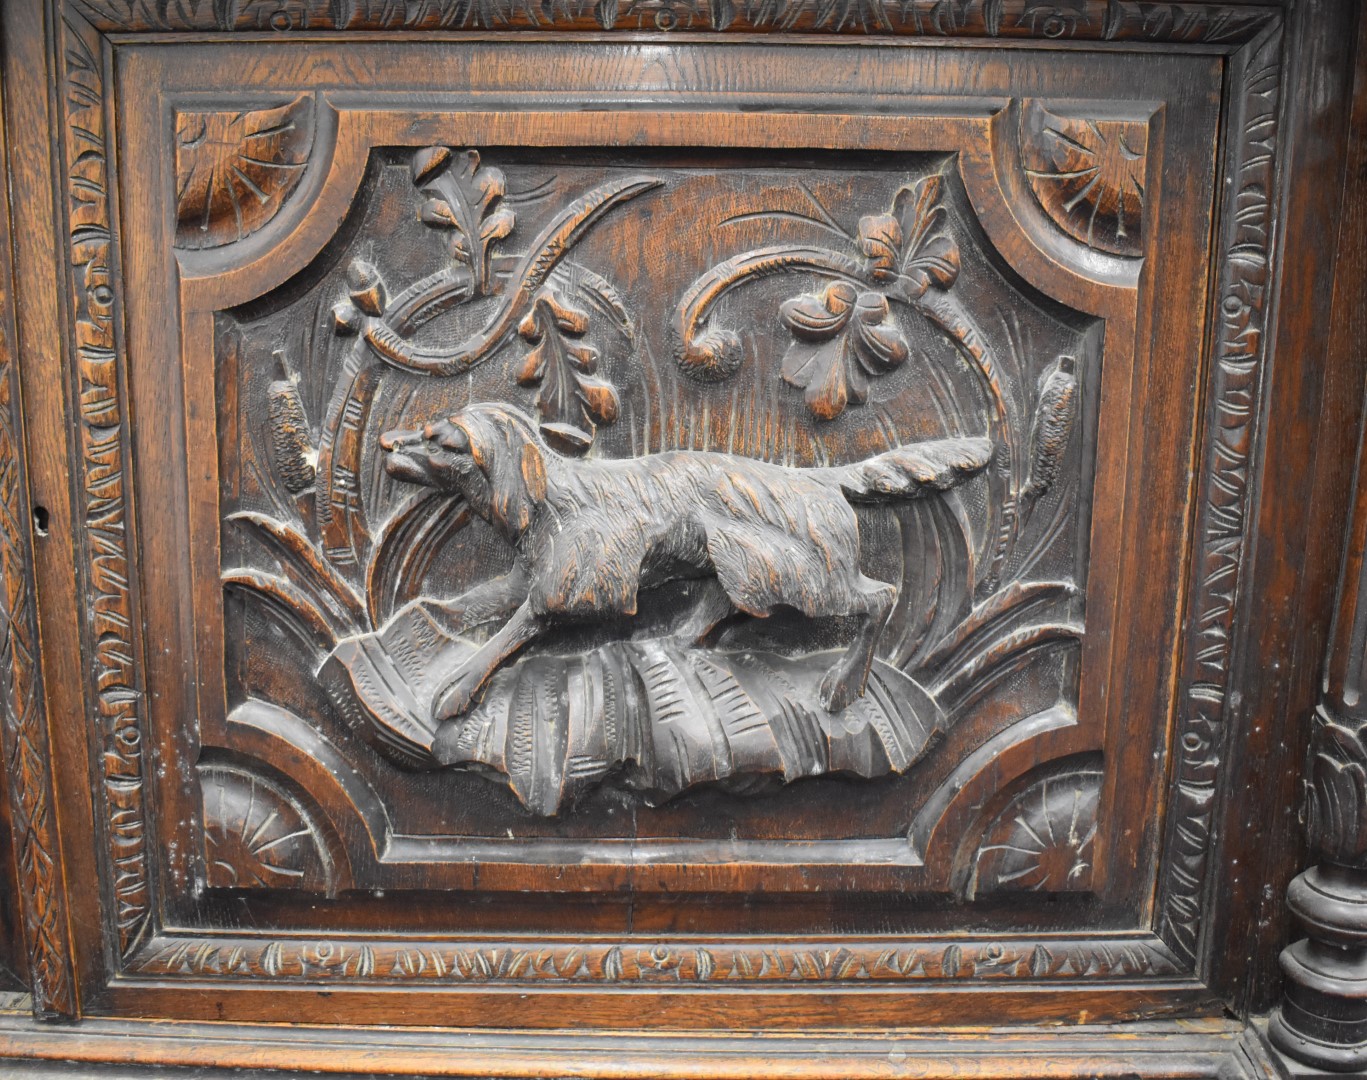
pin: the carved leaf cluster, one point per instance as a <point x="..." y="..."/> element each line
<point x="908" y="248"/>
<point x="572" y="400"/>
<point x="1336" y="809"/>
<point x="464" y="198"/>
<point x="842" y="338"/>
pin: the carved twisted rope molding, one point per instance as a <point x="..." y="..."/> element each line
<point x="99" y="370"/>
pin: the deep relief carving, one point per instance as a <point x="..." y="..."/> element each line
<point x="660" y="962"/>
<point x="620" y="635"/>
<point x="1042" y="839"/>
<point x="257" y="835"/>
<point x="1095" y="20"/>
<point x="1235" y="390"/>
<point x="234" y="170"/>
<point x="1087" y="173"/>
<point x="102" y="477"/>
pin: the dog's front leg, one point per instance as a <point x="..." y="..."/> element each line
<point x="458" y="692"/>
<point x="486" y="602"/>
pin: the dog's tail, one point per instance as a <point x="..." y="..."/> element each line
<point x="909" y="472"/>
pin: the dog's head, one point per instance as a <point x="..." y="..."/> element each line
<point x="489" y="453"/>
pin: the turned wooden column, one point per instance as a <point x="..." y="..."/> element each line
<point x="1322" y="1020"/>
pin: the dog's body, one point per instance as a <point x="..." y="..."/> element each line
<point x="589" y="535"/>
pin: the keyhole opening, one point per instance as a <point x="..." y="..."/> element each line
<point x="40" y="520"/>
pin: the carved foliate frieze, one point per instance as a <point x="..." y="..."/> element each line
<point x="1092" y="20"/>
<point x="103" y="483"/>
<point x="573" y="519"/>
<point x="1235" y="389"/>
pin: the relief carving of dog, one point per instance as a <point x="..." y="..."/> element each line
<point x="589" y="535"/>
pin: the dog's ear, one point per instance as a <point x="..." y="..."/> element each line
<point x="514" y="467"/>
<point x="534" y="471"/>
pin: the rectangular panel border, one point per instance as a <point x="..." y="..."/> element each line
<point x="1245" y="271"/>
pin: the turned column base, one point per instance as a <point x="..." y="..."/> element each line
<point x="1322" y="1020"/>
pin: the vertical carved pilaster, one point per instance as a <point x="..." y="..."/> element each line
<point x="1323" y="1016"/>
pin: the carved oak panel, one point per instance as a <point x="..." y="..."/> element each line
<point x="716" y="533"/>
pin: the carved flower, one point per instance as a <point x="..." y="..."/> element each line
<point x="842" y="337"/>
<point x="907" y="248"/>
<point x="1042" y="839"/>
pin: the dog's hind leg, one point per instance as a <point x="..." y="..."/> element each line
<point x="709" y="605"/>
<point x="457" y="693"/>
<point x="845" y="681"/>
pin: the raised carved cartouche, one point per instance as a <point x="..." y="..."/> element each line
<point x="590" y="535"/>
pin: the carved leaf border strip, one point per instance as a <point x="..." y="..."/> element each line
<point x="33" y="820"/>
<point x="1245" y="278"/>
<point x="648" y="961"/>
<point x="1088" y="20"/>
<point x="1245" y="282"/>
<point x="115" y="677"/>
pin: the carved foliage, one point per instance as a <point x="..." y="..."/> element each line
<point x="1041" y="841"/>
<point x="25" y="743"/>
<point x="256" y="835"/>
<point x="1087" y="174"/>
<point x="1106" y="20"/>
<point x="1336" y="803"/>
<point x="234" y="170"/>
<point x="846" y="334"/>
<point x="1236" y="386"/>
<point x="102" y="477"/>
<point x="658" y="962"/>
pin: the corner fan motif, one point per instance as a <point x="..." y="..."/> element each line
<point x="657" y="553"/>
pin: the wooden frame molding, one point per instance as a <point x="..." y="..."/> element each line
<point x="84" y="768"/>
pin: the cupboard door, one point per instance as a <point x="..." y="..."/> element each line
<point x="745" y="530"/>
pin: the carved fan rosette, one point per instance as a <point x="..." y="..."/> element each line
<point x="537" y="497"/>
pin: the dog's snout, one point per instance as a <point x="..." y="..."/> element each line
<point x="392" y="440"/>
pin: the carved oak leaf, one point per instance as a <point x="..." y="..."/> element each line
<point x="907" y="248"/>
<point x="464" y="198"/>
<point x="842" y="337"/>
<point x="234" y="170"/>
<point x="572" y="401"/>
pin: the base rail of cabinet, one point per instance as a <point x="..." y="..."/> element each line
<point x="116" y="1049"/>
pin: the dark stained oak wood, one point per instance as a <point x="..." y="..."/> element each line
<point x="669" y="519"/>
